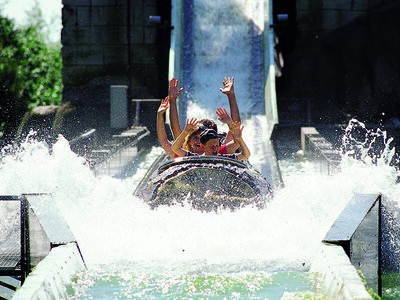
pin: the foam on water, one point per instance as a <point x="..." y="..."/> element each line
<point x="133" y="250"/>
<point x="110" y="224"/>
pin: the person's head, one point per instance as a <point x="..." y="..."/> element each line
<point x="207" y="123"/>
<point x="209" y="140"/>
<point x="192" y="142"/>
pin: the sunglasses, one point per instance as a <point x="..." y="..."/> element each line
<point x="205" y="127"/>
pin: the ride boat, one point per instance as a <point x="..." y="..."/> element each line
<point x="206" y="182"/>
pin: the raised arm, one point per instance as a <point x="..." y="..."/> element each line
<point x="225" y="118"/>
<point x="174" y="92"/>
<point x="191" y="126"/>
<point x="230" y="92"/>
<point x="237" y="136"/>
<point x="161" y="133"/>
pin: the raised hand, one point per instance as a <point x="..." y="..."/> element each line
<point x="173" y="90"/>
<point x="191" y="125"/>
<point x="164" y="105"/>
<point x="237" y="130"/>
<point x="223" y="115"/>
<point x="228" y="85"/>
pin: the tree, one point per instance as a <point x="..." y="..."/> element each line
<point x="30" y="73"/>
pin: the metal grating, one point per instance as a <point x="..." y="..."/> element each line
<point x="10" y="236"/>
<point x="14" y="237"/>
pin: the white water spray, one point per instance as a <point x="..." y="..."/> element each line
<point x="110" y="224"/>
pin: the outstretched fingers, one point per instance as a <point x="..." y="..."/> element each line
<point x="191" y="125"/>
<point x="164" y="105"/>
<point x="223" y="115"/>
<point x="228" y="85"/>
<point x="221" y="112"/>
<point x="165" y="101"/>
<point x="174" y="91"/>
<point x="237" y="129"/>
<point x="192" y="121"/>
<point x="228" y="80"/>
<point x="238" y="125"/>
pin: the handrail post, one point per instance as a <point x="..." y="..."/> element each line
<point x="25" y="249"/>
<point x="137" y="116"/>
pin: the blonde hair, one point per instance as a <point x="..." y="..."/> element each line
<point x="186" y="143"/>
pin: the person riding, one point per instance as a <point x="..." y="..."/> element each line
<point x="166" y="144"/>
<point x="209" y="141"/>
<point x="174" y="92"/>
<point x="192" y="141"/>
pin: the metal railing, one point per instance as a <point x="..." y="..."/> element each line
<point x="83" y="142"/>
<point x="13" y="261"/>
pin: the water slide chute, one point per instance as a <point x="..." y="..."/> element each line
<point x="212" y="40"/>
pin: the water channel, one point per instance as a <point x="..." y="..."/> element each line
<point x="178" y="252"/>
<point x="133" y="251"/>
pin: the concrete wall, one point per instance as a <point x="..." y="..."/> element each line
<point x="95" y="53"/>
<point x="339" y="279"/>
<point x="271" y="110"/>
<point x="50" y="278"/>
<point x="325" y="15"/>
<point x="344" y="57"/>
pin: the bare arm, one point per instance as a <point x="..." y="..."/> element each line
<point x="191" y="125"/>
<point x="161" y="133"/>
<point x="230" y="92"/>
<point x="237" y="136"/>
<point x="174" y="92"/>
<point x="232" y="145"/>
<point x="225" y="118"/>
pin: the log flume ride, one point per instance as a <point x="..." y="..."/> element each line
<point x="206" y="182"/>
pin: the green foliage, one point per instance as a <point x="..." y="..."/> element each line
<point x="30" y="72"/>
<point x="391" y="286"/>
<point x="371" y="291"/>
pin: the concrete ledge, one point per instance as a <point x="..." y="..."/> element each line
<point x="340" y="279"/>
<point x="319" y="150"/>
<point x="357" y="231"/>
<point x="52" y="274"/>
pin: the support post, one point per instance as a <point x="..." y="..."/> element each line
<point x="119" y="106"/>
<point x="25" y="249"/>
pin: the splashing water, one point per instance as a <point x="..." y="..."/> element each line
<point x="109" y="223"/>
<point x="370" y="164"/>
<point x="112" y="226"/>
<point x="369" y="161"/>
<point x="369" y="146"/>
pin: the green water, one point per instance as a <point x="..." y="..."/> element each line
<point x="143" y="281"/>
